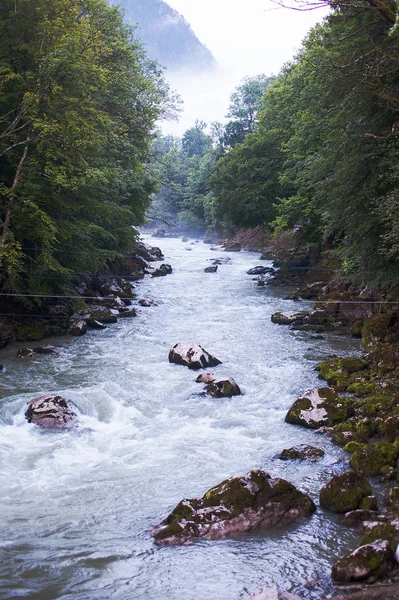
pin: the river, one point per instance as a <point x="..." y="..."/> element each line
<point x="76" y="506"/>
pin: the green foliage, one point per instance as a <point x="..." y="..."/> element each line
<point x="78" y="102"/>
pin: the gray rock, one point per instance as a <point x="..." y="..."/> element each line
<point x="192" y="356"/>
<point x="259" y="270"/>
<point x="147" y="302"/>
<point x="212" y="269"/>
<point x="290" y="318"/>
<point x="375" y="559"/>
<point x="51" y="412"/>
<point x="235" y="506"/>
<point x="25" y="353"/>
<point x="78" y="328"/>
<point x="93" y="324"/>
<point x="162" y="271"/>
<point x="302" y="452"/>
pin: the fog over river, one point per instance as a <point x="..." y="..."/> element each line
<point x="77" y="505"/>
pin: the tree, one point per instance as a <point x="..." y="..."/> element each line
<point x="78" y="103"/>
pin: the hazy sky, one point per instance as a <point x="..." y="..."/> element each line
<point x="246" y="37"/>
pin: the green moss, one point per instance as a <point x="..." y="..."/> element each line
<point x="381" y="531"/>
<point x="369" y="459"/>
<point x="375" y="329"/>
<point x="37" y="332"/>
<point x="352" y="447"/>
<point x="357" y="328"/>
<point x="344" y="492"/>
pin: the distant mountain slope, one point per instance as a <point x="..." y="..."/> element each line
<point x="166" y="34"/>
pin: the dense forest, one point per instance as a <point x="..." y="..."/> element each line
<point x="78" y="103"/>
<point x="320" y="155"/>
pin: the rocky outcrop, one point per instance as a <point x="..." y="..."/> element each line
<point x="192" y="356"/>
<point x="302" y="452"/>
<point x="318" y="407"/>
<point x="344" y="492"/>
<point x="234" y="506"/>
<point x="224" y="387"/>
<point x="51" y="412"/>
<point x="372" y="560"/>
<point x="271" y="593"/>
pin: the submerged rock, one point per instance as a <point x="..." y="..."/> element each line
<point x="344" y="492"/>
<point x="192" y="356"/>
<point x="318" y="407"/>
<point x="302" y="452"/>
<point x="147" y="302"/>
<point x="46" y="350"/>
<point x="224" y="387"/>
<point x="271" y="593"/>
<point x="25" y="353"/>
<point x="234" y="506"/>
<point x="93" y="324"/>
<point x="51" y="412"/>
<point x="375" y="560"/>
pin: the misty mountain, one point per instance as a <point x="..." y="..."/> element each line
<point x="167" y="36"/>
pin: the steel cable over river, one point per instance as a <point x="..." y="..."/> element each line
<point x="77" y="505"/>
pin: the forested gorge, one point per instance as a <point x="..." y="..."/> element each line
<point x="321" y="156"/>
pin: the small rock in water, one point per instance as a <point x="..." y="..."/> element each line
<point x="205" y="378"/>
<point x="260" y="270"/>
<point x="162" y="271"/>
<point x="93" y="324"/>
<point x="271" y="593"/>
<point x="26" y="353"/>
<point x="302" y="452"/>
<point x="224" y="387"/>
<point x="236" y="505"/>
<point x="78" y="328"/>
<point x="46" y="350"/>
<point x="192" y="356"/>
<point x="147" y="302"/>
<point x="128" y="313"/>
<point x="221" y="260"/>
<point x="51" y="412"/>
<point x="212" y="269"/>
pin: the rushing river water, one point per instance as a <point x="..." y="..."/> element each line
<point x="77" y="505"/>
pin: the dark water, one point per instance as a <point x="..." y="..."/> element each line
<point x="76" y="506"/>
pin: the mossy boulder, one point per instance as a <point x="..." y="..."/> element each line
<point x="368" y="459"/>
<point x="390" y="427"/>
<point x="376" y="560"/>
<point x="289" y="318"/>
<point x="337" y="371"/>
<point x="344" y="492"/>
<point x="38" y="331"/>
<point x="381" y="530"/>
<point x="318" y="407"/>
<point x="224" y="387"/>
<point x="302" y="452"/>
<point x="357" y="328"/>
<point x="234" y="506"/>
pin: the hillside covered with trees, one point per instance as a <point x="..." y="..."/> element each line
<point x="321" y="156"/>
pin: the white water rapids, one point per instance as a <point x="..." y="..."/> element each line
<point x="76" y="506"/>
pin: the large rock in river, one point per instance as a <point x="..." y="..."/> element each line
<point x="192" y="356"/>
<point x="224" y="387"/>
<point x="234" y="506"/>
<point x="318" y="407"/>
<point x="51" y="412"/>
<point x="344" y="492"/>
<point x="375" y="560"/>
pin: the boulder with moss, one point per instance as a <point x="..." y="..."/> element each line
<point x="237" y="505"/>
<point x="372" y="560"/>
<point x="318" y="407"/>
<point x="223" y="387"/>
<point x="344" y="492"/>
<point x="337" y="371"/>
<point x="192" y="356"/>
<point x="369" y="459"/>
<point x="378" y="529"/>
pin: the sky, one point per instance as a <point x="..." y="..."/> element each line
<point x="247" y="37"/>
